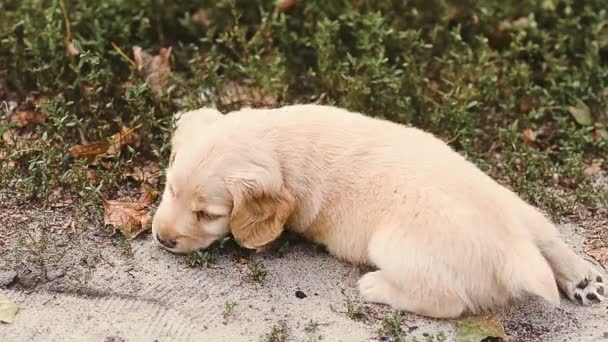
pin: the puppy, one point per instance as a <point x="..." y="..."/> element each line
<point x="444" y="237"/>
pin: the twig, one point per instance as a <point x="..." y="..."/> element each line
<point x="451" y="140"/>
<point x="69" y="47"/>
<point x="23" y="151"/>
<point x="68" y="33"/>
<point x="83" y="139"/>
<point x="123" y="55"/>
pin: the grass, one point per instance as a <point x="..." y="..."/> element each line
<point x="312" y="331"/>
<point x="229" y="310"/>
<point x="279" y="332"/>
<point x="392" y="330"/>
<point x="257" y="270"/>
<point x="125" y="245"/>
<point x="519" y="87"/>
<point x="202" y="259"/>
<point x="39" y="244"/>
<point x="355" y="311"/>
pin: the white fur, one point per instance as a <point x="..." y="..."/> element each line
<point x="446" y="238"/>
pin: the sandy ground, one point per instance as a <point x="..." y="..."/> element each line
<point x="90" y="291"/>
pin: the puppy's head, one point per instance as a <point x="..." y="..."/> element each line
<point x="219" y="184"/>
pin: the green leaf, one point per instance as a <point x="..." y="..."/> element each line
<point x="477" y="328"/>
<point x="581" y="113"/>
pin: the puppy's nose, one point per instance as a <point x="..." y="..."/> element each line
<point x="169" y="243"/>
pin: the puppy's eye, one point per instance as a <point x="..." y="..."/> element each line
<point x="205" y="216"/>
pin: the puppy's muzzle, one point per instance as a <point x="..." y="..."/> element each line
<point x="169" y="243"/>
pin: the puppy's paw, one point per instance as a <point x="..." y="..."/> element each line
<point x="587" y="290"/>
<point x="374" y="288"/>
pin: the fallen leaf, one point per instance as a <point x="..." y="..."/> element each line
<point x="529" y="136"/>
<point x="593" y="168"/>
<point x="201" y="18"/>
<point x="581" y="113"/>
<point x="71" y="49"/>
<point x="600" y="134"/>
<point x="106" y="147"/>
<point x="8" y="310"/>
<point x="156" y="69"/>
<point x="132" y="218"/>
<point x="479" y="328"/>
<point x="147" y="197"/>
<point x="244" y="95"/>
<point x="284" y="5"/>
<point x="521" y="22"/>
<point x="599" y="253"/>
<point x="144" y="174"/>
<point x="548" y="5"/>
<point x="453" y="12"/>
<point x="93" y="177"/>
<point x="25" y="117"/>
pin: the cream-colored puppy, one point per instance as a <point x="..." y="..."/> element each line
<point x="446" y="238"/>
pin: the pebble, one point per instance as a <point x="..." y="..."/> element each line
<point x="54" y="274"/>
<point x="301" y="294"/>
<point x="7" y="277"/>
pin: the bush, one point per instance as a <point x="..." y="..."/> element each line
<point x="476" y="73"/>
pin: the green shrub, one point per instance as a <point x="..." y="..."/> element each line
<point x="476" y="73"/>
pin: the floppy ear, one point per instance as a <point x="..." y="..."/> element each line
<point x="261" y="207"/>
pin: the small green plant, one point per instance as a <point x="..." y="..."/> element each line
<point x="356" y="311"/>
<point x="229" y="310"/>
<point x="202" y="259"/>
<point x="126" y="246"/>
<point x="312" y="330"/>
<point x="312" y="326"/>
<point x="39" y="245"/>
<point x="435" y="337"/>
<point x="391" y="329"/>
<point x="278" y="333"/>
<point x="257" y="270"/>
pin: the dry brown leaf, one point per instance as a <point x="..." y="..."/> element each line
<point x="599" y="253"/>
<point x="454" y="12"/>
<point x="132" y="218"/>
<point x="201" y="18"/>
<point x="244" y="95"/>
<point x="145" y="174"/>
<point x="593" y="168"/>
<point x="106" y="147"/>
<point x="285" y="5"/>
<point x="71" y="49"/>
<point x="25" y="117"/>
<point x="529" y="136"/>
<point x="147" y="197"/>
<point x="8" y="310"/>
<point x="156" y="69"/>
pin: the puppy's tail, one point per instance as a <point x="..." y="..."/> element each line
<point x="529" y="272"/>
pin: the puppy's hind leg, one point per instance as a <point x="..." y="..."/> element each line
<point x="577" y="278"/>
<point x="408" y="280"/>
<point x="377" y="287"/>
